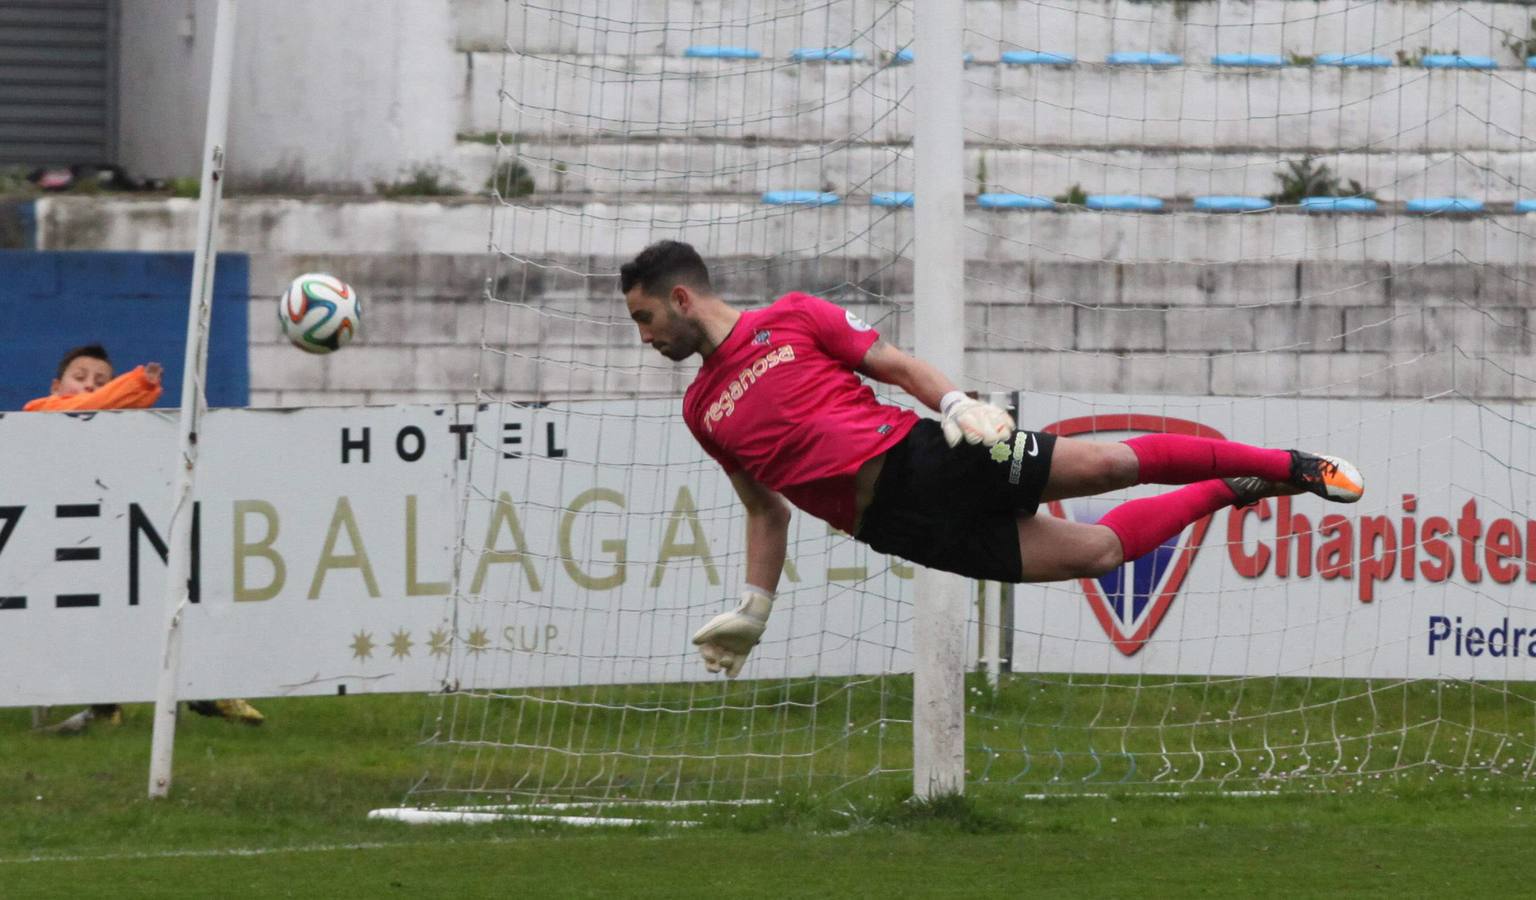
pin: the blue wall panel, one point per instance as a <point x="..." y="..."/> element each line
<point x="134" y="304"/>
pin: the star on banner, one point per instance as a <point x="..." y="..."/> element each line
<point x="438" y="642"/>
<point x="400" y="644"/>
<point x="362" y="645"/>
<point x="478" y="641"/>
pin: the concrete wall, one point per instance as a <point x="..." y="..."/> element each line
<point x="1293" y="108"/>
<point x="633" y="168"/>
<point x="662" y="125"/>
<point x="628" y="142"/>
<point x="1393" y="311"/>
<point x="430" y="334"/>
<point x="1090" y="30"/>
<point x="1314" y="329"/>
<point x="333" y="95"/>
<point x="733" y="226"/>
<point x="323" y="104"/>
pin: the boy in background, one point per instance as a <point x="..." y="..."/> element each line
<point x="84" y="382"/>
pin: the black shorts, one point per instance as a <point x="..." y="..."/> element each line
<point x="957" y="508"/>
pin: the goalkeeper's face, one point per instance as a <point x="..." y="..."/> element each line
<point x="663" y="326"/>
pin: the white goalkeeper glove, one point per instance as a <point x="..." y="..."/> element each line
<point x="973" y="420"/>
<point x="725" y="640"/>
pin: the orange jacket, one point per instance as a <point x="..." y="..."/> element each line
<point x="130" y="390"/>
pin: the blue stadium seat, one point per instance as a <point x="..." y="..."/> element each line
<point x="801" y="198"/>
<point x="1530" y="62"/>
<point x="1338" y="204"/>
<point x="1354" y="60"/>
<point x="1444" y="205"/>
<point x="891" y="198"/>
<point x="1035" y="58"/>
<point x="1457" y="61"/>
<point x="1525" y="206"/>
<point x="826" y="54"/>
<point x="904" y="56"/>
<point x="1228" y="203"/>
<point x="1248" y="60"/>
<point x="1144" y="59"/>
<point x="1014" y="201"/>
<point x="708" y="51"/>
<point x="1124" y="202"/>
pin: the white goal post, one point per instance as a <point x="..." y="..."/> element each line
<point x="193" y="400"/>
<point x="939" y="648"/>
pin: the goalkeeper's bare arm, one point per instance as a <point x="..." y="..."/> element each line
<point x="779" y="403"/>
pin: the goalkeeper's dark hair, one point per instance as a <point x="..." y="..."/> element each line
<point x="88" y="351"/>
<point x="664" y="265"/>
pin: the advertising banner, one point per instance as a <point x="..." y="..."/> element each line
<point x="1430" y="575"/>
<point x="588" y="540"/>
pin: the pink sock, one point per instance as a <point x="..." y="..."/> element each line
<point x="1182" y="459"/>
<point x="1141" y="525"/>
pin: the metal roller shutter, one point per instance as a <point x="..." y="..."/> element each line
<point x="57" y="81"/>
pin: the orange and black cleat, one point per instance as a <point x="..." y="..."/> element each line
<point x="1328" y="477"/>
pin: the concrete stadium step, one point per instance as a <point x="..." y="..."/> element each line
<point x="728" y="226"/>
<point x="1088" y="30"/>
<point x="1322" y="328"/>
<point x="614" y="168"/>
<point x="587" y="286"/>
<point x="574" y="97"/>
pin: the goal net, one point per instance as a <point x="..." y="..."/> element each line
<point x="1287" y="224"/>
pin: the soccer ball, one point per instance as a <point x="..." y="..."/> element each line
<point x="319" y="313"/>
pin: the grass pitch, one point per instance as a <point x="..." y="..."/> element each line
<point x="280" y="811"/>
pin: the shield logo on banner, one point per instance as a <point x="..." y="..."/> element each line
<point x="1131" y="601"/>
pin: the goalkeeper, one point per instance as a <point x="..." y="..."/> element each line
<point x="779" y="404"/>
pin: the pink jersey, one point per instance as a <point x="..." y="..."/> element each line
<point x="780" y="398"/>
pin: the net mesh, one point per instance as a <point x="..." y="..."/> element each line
<point x="1249" y="238"/>
<point x="1384" y="335"/>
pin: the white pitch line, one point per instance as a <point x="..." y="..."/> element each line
<point x="237" y="851"/>
<point x="269" y="851"/>
<point x="462" y="816"/>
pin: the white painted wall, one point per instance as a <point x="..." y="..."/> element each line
<point x="731" y="227"/>
<point x="341" y="94"/>
<point x="1089" y="29"/>
<point x="1293" y="109"/>
<point x="698" y="167"/>
<point x="336" y="94"/>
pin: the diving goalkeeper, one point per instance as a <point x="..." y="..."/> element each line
<point x="779" y="404"/>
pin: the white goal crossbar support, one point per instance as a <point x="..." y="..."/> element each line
<point x="941" y="600"/>
<point x="193" y="400"/>
<point x="995" y="596"/>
